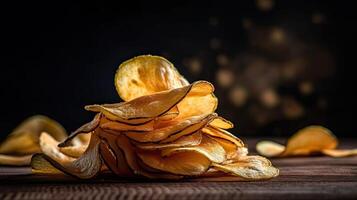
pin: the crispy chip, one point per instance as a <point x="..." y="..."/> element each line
<point x="184" y="127"/>
<point x="24" y="139"/>
<point x="113" y="156"/>
<point x="86" y="166"/>
<point x="269" y="148"/>
<point x="307" y="141"/>
<point x="222" y="123"/>
<point x="250" y="167"/>
<point x="170" y="115"/>
<point x="145" y="75"/>
<point x="145" y="108"/>
<point x="310" y="140"/>
<point x="232" y="150"/>
<point x="127" y="151"/>
<point x="189" y="140"/>
<point x="184" y="163"/>
<point x="117" y="126"/>
<point x="220" y="133"/>
<point x="199" y="101"/>
<point x="208" y="147"/>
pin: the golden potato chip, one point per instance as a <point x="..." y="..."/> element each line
<point x="222" y="123"/>
<point x="307" y="141"/>
<point x="181" y="128"/>
<point x="117" y="126"/>
<point x="113" y="156"/>
<point x="190" y="129"/>
<point x="208" y="147"/>
<point x="86" y="166"/>
<point x="269" y="148"/>
<point x="188" y="140"/>
<point x="145" y="75"/>
<point x="232" y="150"/>
<point x="145" y="108"/>
<point x="199" y="101"/>
<point x="170" y="115"/>
<point x="127" y="151"/>
<point x="24" y="139"/>
<point x="220" y="133"/>
<point x="184" y="163"/>
<point x="250" y="168"/>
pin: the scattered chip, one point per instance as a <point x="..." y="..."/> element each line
<point x="307" y="141"/>
<point x="24" y="139"/>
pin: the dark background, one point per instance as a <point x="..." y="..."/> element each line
<point x="277" y="65"/>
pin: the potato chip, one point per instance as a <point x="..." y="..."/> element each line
<point x="86" y="166"/>
<point x="199" y="101"/>
<point x="232" y="150"/>
<point x="145" y="75"/>
<point x="170" y="115"/>
<point x="188" y="140"/>
<point x="184" y="163"/>
<point x="113" y="156"/>
<point x="145" y="108"/>
<point x="24" y="139"/>
<point x="269" y="148"/>
<point x="222" y="123"/>
<point x="127" y="151"/>
<point x="307" y="141"/>
<point x="117" y="126"/>
<point x="310" y="140"/>
<point x="250" y="168"/>
<point x="208" y="147"/>
<point x="184" y="127"/>
<point x="220" y="133"/>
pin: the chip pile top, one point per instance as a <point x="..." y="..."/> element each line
<point x="166" y="128"/>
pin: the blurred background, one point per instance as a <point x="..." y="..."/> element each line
<point x="277" y="65"/>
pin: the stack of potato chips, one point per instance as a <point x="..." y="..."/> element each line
<point x="166" y="128"/>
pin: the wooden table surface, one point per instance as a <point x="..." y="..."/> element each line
<point x="318" y="177"/>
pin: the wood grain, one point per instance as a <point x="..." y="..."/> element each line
<point x="300" y="178"/>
